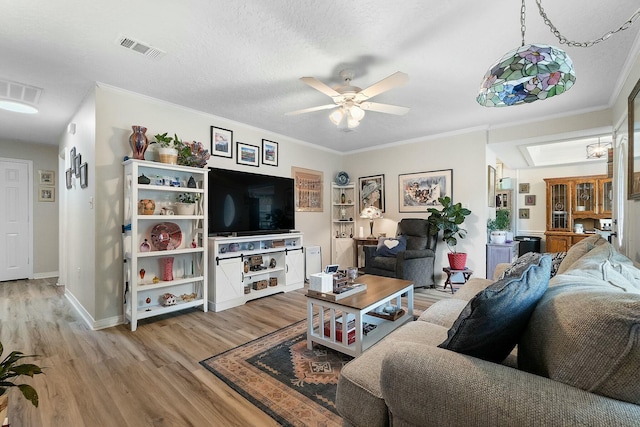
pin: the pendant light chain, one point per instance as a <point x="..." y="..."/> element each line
<point x="564" y="40"/>
<point x="523" y="26"/>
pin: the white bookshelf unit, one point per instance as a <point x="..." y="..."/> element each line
<point x="278" y="266"/>
<point x="144" y="270"/>
<point x="343" y="215"/>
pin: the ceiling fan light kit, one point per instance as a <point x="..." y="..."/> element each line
<point x="351" y="101"/>
<point x="535" y="71"/>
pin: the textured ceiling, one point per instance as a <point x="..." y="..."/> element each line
<point x="242" y="60"/>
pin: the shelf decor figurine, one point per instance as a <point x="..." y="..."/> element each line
<point x="138" y="141"/>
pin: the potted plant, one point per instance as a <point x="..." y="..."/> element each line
<point x="187" y="203"/>
<point x="499" y="226"/>
<point x="167" y="148"/>
<point x="448" y="220"/>
<point x="10" y="370"/>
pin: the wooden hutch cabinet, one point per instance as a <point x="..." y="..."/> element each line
<point x="575" y="200"/>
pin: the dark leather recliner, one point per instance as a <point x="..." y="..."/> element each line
<point x="415" y="264"/>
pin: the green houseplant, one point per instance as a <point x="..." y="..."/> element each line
<point x="186" y="203"/>
<point x="167" y="148"/>
<point x="499" y="226"/>
<point x="10" y="371"/>
<point x="448" y="219"/>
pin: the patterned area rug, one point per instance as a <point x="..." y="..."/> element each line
<point x="279" y="375"/>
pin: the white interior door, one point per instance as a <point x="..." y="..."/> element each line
<point x="14" y="220"/>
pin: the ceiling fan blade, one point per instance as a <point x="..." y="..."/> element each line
<point x="394" y="80"/>
<point x="318" y="85"/>
<point x="384" y="108"/>
<point x="309" y="110"/>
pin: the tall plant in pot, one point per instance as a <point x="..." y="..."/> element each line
<point x="448" y="220"/>
<point x="499" y="226"/>
<point x="10" y="371"/>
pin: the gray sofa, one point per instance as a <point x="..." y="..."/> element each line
<point x="577" y="362"/>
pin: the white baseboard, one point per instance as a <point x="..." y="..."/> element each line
<point x="46" y="275"/>
<point x="88" y="319"/>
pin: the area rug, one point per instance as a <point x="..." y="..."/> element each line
<point x="279" y="375"/>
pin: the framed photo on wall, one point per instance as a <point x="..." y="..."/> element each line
<point x="47" y="177"/>
<point x="371" y="191"/>
<point x="523" y="213"/>
<point x="247" y="154"/>
<point x="523" y="188"/>
<point x="308" y="189"/>
<point x="46" y="194"/>
<point x="69" y="178"/>
<point x="530" y="200"/>
<point x="420" y="191"/>
<point x="221" y="142"/>
<point x="269" y="152"/>
<point x="83" y="175"/>
<point x="76" y="164"/>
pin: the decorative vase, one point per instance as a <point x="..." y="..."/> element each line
<point x="166" y="266"/>
<point x="138" y="141"/>
<point x="146" y="207"/>
<point x="457" y="260"/>
<point x="186" y="208"/>
<point x="168" y="155"/>
<point x="498" y="237"/>
<point x="343" y="198"/>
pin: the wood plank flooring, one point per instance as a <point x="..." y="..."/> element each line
<point x="151" y="377"/>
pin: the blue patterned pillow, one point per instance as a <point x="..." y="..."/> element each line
<point x="389" y="246"/>
<point x="491" y="324"/>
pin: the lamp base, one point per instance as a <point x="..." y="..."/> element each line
<point x="371" y="236"/>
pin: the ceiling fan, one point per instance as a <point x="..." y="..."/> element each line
<point x="352" y="101"/>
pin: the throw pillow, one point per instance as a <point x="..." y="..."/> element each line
<point x="389" y="246"/>
<point x="521" y="264"/>
<point x="556" y="260"/>
<point x="491" y="324"/>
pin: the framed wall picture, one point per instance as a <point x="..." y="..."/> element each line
<point x="523" y="213"/>
<point x="221" y="142"/>
<point x="83" y="175"/>
<point x="46" y="194"/>
<point x="247" y="154"/>
<point x="371" y="191"/>
<point x="269" y="152"/>
<point x="530" y="200"/>
<point x="308" y="189"/>
<point x="420" y="191"/>
<point x="47" y="177"/>
<point x="69" y="178"/>
<point x="491" y="186"/>
<point x="523" y="188"/>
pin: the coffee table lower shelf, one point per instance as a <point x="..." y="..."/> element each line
<point x="321" y="312"/>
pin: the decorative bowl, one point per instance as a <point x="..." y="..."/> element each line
<point x="166" y="236"/>
<point x="342" y="178"/>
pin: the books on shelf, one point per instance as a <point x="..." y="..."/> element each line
<point x="351" y="329"/>
<point x="339" y="293"/>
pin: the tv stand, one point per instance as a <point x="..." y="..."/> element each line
<point x="232" y="282"/>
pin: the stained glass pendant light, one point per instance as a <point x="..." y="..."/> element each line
<point x="527" y="74"/>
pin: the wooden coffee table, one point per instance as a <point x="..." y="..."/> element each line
<point x="380" y="291"/>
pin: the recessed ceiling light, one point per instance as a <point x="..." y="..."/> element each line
<point x="17" y="107"/>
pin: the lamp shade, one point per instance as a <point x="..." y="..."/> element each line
<point x="337" y="116"/>
<point x="371" y="212"/>
<point x="527" y="74"/>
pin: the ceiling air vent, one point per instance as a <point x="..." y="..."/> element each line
<point x="140" y="47"/>
<point x="20" y="92"/>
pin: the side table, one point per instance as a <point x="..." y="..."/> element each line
<point x="361" y="241"/>
<point x="466" y="273"/>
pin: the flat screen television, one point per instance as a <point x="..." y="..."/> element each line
<point x="244" y="203"/>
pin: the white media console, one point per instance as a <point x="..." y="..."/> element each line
<point x="250" y="267"/>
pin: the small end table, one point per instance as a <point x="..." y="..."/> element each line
<point x="466" y="273"/>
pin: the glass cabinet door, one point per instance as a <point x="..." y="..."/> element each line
<point x="606" y="196"/>
<point x="559" y="205"/>
<point x="584" y="197"/>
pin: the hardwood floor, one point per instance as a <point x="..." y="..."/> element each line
<point x="151" y="377"/>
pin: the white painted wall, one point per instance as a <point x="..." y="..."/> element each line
<point x="45" y="214"/>
<point x="457" y="152"/>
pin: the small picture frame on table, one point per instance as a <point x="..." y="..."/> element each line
<point x="247" y="154"/>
